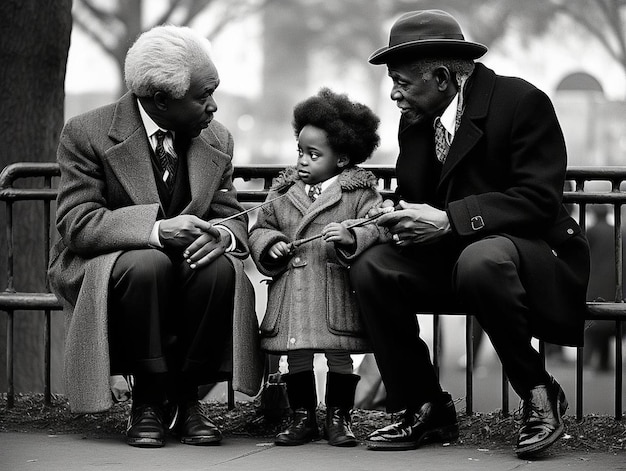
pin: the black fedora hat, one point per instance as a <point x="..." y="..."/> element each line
<point x="427" y="33"/>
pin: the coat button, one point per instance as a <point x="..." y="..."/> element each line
<point x="570" y="231"/>
<point x="292" y="340"/>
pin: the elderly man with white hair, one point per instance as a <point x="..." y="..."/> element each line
<point x="150" y="274"/>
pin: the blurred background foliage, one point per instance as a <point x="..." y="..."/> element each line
<point x="274" y="53"/>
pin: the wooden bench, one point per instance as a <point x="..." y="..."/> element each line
<point x="35" y="182"/>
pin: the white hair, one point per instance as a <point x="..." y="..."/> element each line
<point x="163" y="58"/>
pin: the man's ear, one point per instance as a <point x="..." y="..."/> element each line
<point x="160" y="100"/>
<point x="443" y="77"/>
<point x="342" y="161"/>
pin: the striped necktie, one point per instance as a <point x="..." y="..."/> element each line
<point x="442" y="140"/>
<point x="315" y="191"/>
<point x="167" y="160"/>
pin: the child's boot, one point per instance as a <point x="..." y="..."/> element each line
<point x="303" y="401"/>
<point x="340" y="389"/>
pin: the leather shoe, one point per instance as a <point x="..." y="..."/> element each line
<point x="195" y="428"/>
<point x="301" y="430"/>
<point x="542" y="422"/>
<point x="339" y="427"/>
<point x="145" y="426"/>
<point x="432" y="421"/>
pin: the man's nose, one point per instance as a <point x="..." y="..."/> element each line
<point x="211" y="105"/>
<point x="395" y="93"/>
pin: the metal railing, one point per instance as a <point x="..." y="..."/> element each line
<point x="253" y="183"/>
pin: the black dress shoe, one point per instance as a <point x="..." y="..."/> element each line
<point x="301" y="430"/>
<point x="433" y="421"/>
<point x="542" y="422"/>
<point x="194" y="427"/>
<point x="145" y="426"/>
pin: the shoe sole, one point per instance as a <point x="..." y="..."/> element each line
<point x="201" y="440"/>
<point x="345" y="443"/>
<point x="145" y="442"/>
<point x="536" y="448"/>
<point x="295" y="442"/>
<point x="443" y="434"/>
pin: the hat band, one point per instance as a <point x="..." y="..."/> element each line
<point x="405" y="38"/>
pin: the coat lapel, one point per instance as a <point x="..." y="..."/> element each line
<point x="478" y="98"/>
<point x="204" y="162"/>
<point x="130" y="158"/>
<point x="298" y="197"/>
<point x="329" y="197"/>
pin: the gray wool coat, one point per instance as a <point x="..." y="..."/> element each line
<point x="310" y="302"/>
<point x="108" y="202"/>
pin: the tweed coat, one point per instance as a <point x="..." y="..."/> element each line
<point x="108" y="202"/>
<point x="310" y="302"/>
<point x="504" y="174"/>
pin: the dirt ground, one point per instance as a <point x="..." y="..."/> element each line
<point x="485" y="431"/>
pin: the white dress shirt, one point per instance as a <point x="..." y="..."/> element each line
<point x="151" y="128"/>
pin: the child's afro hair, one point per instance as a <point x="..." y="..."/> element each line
<point x="351" y="127"/>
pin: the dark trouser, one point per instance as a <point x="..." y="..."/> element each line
<point x="167" y="322"/>
<point x="393" y="284"/>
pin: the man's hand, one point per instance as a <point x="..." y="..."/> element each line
<point x="279" y="250"/>
<point x="385" y="207"/>
<point x="180" y="231"/>
<point x="337" y="233"/>
<point x="415" y="223"/>
<point x="206" y="248"/>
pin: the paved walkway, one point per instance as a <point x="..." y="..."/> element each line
<point x="34" y="452"/>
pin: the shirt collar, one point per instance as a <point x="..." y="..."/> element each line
<point x="448" y="117"/>
<point x="325" y="184"/>
<point x="148" y="123"/>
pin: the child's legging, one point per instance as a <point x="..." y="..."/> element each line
<point x="302" y="360"/>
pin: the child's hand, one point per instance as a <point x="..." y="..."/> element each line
<point x="279" y="250"/>
<point x="337" y="233"/>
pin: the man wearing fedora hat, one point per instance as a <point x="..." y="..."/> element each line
<point x="479" y="227"/>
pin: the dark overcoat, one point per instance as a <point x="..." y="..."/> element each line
<point x="504" y="175"/>
<point x="108" y="202"/>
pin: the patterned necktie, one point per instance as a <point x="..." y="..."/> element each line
<point x="167" y="159"/>
<point x="442" y="140"/>
<point x="315" y="191"/>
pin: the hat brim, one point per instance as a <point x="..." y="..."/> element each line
<point x="428" y="48"/>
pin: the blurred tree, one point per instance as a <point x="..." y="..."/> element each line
<point x="115" y="25"/>
<point x="34" y="42"/>
<point x="301" y="36"/>
<point x="489" y="20"/>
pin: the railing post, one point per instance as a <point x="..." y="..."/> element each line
<point x="10" y="318"/>
<point x="10" y="384"/>
<point x="505" y="394"/>
<point x="47" y="392"/>
<point x="469" y="364"/>
<point x="436" y="343"/>
<point x="579" y="383"/>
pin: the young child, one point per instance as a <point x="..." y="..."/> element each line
<point x="310" y="304"/>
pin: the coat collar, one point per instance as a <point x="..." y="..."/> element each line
<point x="349" y="180"/>
<point x="477" y="101"/>
<point x="129" y="158"/>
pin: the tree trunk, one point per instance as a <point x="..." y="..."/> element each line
<point x="34" y="42"/>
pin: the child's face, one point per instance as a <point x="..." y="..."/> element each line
<point x="316" y="160"/>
